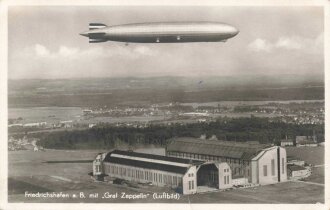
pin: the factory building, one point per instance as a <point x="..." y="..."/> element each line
<point x="184" y="175"/>
<point x="257" y="163"/>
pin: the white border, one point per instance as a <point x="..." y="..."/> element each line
<point x="3" y="101"/>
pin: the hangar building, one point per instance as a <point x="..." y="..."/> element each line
<point x="179" y="173"/>
<point x="258" y="163"/>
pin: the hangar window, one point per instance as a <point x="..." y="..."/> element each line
<point x="179" y="181"/>
<point x="175" y="180"/>
<point x="283" y="165"/>
<point x="265" y="170"/>
<point x="273" y="167"/>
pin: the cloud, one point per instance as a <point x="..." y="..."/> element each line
<point x="134" y="52"/>
<point x="66" y="51"/>
<point x="67" y="62"/>
<point x="289" y="43"/>
<point x="41" y="50"/>
<point x="260" y="45"/>
<point x="304" y="45"/>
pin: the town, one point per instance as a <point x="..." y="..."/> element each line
<point x="293" y="112"/>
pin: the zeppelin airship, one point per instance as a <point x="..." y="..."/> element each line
<point x="166" y="32"/>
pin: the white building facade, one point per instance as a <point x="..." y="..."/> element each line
<point x="257" y="163"/>
<point x="180" y="174"/>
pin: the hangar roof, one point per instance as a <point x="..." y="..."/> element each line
<point x="147" y="165"/>
<point x="149" y="161"/>
<point x="238" y="150"/>
<point x="156" y="157"/>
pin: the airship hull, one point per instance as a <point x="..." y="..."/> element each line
<point x="168" y="38"/>
<point x="163" y="32"/>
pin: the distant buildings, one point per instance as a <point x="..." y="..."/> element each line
<point x="66" y="124"/>
<point x="91" y="125"/>
<point x="36" y="124"/>
<point x="15" y="125"/>
<point x="87" y="111"/>
<point x="286" y="142"/>
<point x="24" y="143"/>
<point x="306" y="141"/>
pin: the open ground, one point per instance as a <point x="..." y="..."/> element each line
<point x="68" y="173"/>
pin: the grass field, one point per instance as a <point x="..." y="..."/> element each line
<point x="290" y="192"/>
<point x="68" y="173"/>
<point x="311" y="155"/>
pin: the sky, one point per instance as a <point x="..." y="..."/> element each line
<point x="44" y="42"/>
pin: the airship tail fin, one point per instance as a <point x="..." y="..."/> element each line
<point x="93" y="26"/>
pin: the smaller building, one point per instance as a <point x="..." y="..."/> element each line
<point x="321" y="144"/>
<point x="37" y="124"/>
<point x="15" y="125"/>
<point x="298" y="172"/>
<point x="87" y="111"/>
<point x="91" y="125"/>
<point x="240" y="181"/>
<point x="66" y="124"/>
<point x="306" y="141"/>
<point x="286" y="142"/>
<point x="295" y="161"/>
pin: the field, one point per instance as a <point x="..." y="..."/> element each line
<point x="45" y="114"/>
<point x="311" y="155"/>
<point x="68" y="173"/>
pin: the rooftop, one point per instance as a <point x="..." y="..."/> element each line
<point x="156" y="157"/>
<point x="295" y="168"/>
<point x="149" y="161"/>
<point x="238" y="150"/>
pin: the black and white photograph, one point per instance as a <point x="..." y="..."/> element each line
<point x="172" y="104"/>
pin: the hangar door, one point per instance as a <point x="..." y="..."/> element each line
<point x="208" y="175"/>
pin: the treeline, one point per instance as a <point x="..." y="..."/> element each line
<point x="105" y="136"/>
